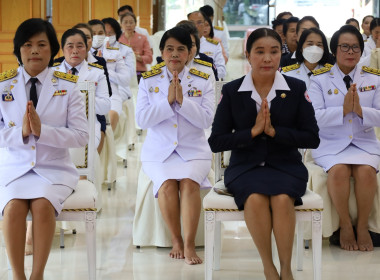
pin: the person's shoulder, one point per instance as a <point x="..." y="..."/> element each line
<point x="96" y="65"/>
<point x="292" y="82"/>
<point x="370" y="70"/>
<point x="152" y="73"/>
<point x="233" y="86"/>
<point x="212" y="41"/>
<point x="64" y="77"/>
<point x="58" y="60"/>
<point x="290" y="68"/>
<point x="7" y="75"/>
<point x="205" y="57"/>
<point x="219" y="28"/>
<point x="199" y="74"/>
<point x="322" y="71"/>
<point x="202" y="62"/>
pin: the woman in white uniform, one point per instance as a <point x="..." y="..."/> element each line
<point x="74" y="46"/>
<point x="346" y="100"/>
<point x="42" y="115"/>
<point x="373" y="41"/>
<point x="312" y="53"/>
<point x="176" y="104"/>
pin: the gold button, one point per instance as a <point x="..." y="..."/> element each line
<point x="175" y="143"/>
<point x="175" y="126"/>
<point x="350" y="121"/>
<point x="350" y="136"/>
<point x="32" y="163"/>
<point x="33" y="147"/>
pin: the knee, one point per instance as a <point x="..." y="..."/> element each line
<point x="189" y="186"/>
<point x="169" y="187"/>
<point x="16" y="209"/>
<point x="257" y="201"/>
<point x="339" y="172"/>
<point x="282" y="200"/>
<point x="41" y="207"/>
<point x="364" y="173"/>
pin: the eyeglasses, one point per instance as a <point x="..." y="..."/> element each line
<point x="346" y="48"/>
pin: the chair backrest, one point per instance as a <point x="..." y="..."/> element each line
<point x="84" y="158"/>
<point x="218" y="91"/>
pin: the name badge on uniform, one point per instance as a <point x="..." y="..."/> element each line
<point x="209" y="53"/>
<point x="194" y="92"/>
<point x="111" y="60"/>
<point x="7" y="97"/>
<point x="367" y="88"/>
<point x="60" y="92"/>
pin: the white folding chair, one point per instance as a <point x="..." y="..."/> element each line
<point x="81" y="204"/>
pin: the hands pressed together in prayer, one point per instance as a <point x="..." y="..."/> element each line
<point x="175" y="90"/>
<point x="263" y="122"/>
<point x="352" y="102"/>
<point x="31" y="123"/>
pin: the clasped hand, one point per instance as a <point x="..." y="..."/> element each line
<point x="175" y="90"/>
<point x="31" y="123"/>
<point x="263" y="122"/>
<point x="352" y="102"/>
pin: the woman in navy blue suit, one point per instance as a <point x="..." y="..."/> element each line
<point x="264" y="117"/>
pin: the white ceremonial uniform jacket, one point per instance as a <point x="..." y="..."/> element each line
<point x="94" y="73"/>
<point x="173" y="127"/>
<point x="63" y="125"/>
<point x="130" y="62"/>
<point x="214" y="50"/>
<point x="204" y="67"/>
<point x="299" y="71"/>
<point x="327" y="91"/>
<point x="223" y="36"/>
<point x="368" y="47"/>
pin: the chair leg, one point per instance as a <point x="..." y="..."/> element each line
<point x="61" y="238"/>
<point x="217" y="245"/>
<point x="209" y="243"/>
<point x="300" y="246"/>
<point x="317" y="244"/>
<point x="91" y="243"/>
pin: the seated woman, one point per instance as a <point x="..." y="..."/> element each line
<point x="42" y="115"/>
<point x="176" y="104"/>
<point x="346" y="100"/>
<point x="263" y="118"/>
<point x="74" y="47"/>
<point x="312" y="53"/>
<point x="209" y="33"/>
<point x="373" y="41"/>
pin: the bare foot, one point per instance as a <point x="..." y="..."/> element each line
<point x="191" y="256"/>
<point x="364" y="240"/>
<point x="177" y="250"/>
<point x="28" y="249"/>
<point x="271" y="273"/>
<point x="347" y="239"/>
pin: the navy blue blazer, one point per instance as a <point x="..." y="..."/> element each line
<point x="292" y="117"/>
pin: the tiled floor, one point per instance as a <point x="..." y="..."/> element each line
<point x="118" y="259"/>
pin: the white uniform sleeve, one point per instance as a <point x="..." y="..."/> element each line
<point x="225" y="43"/>
<point x="102" y="100"/>
<point x="121" y="75"/>
<point x="371" y="115"/>
<point x="219" y="62"/>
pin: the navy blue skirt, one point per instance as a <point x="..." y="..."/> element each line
<point x="266" y="180"/>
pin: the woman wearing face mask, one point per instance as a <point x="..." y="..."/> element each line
<point x="118" y="72"/>
<point x="311" y="54"/>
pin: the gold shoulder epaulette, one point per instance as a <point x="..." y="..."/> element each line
<point x="112" y="48"/>
<point x="124" y="44"/>
<point x="371" y="70"/>
<point x="8" y="75"/>
<point x="151" y="73"/>
<point x="96" y="65"/>
<point x="328" y="65"/>
<point x="205" y="63"/>
<point x="212" y="41"/>
<point x="290" y="67"/>
<point x="65" y="76"/>
<point x="159" y="65"/>
<point x="219" y="28"/>
<point x="199" y="73"/>
<point x="321" y="71"/>
<point x="57" y="63"/>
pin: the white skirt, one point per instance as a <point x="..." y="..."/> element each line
<point x="174" y="167"/>
<point x="31" y="186"/>
<point x="350" y="155"/>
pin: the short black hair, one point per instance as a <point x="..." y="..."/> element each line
<point x="367" y="17"/>
<point x="353" y="20"/>
<point x="304" y="19"/>
<point x="125" y="7"/>
<point x="83" y="25"/>
<point x="178" y="33"/>
<point x="277" y="22"/>
<point x="192" y="29"/>
<point x="287" y="22"/>
<point x="304" y="35"/>
<point x="346" y="29"/>
<point x="31" y="27"/>
<point x="95" y="22"/>
<point x="128" y="14"/>
<point x="207" y="10"/>
<point x="71" y="32"/>
<point x="211" y="26"/>
<point x="374" y="23"/>
<point x="280" y="15"/>
<point x="115" y="26"/>
<point x="261" y="33"/>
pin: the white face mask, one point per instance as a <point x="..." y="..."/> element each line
<point x="313" y="54"/>
<point x="97" y="41"/>
<point x="110" y="39"/>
